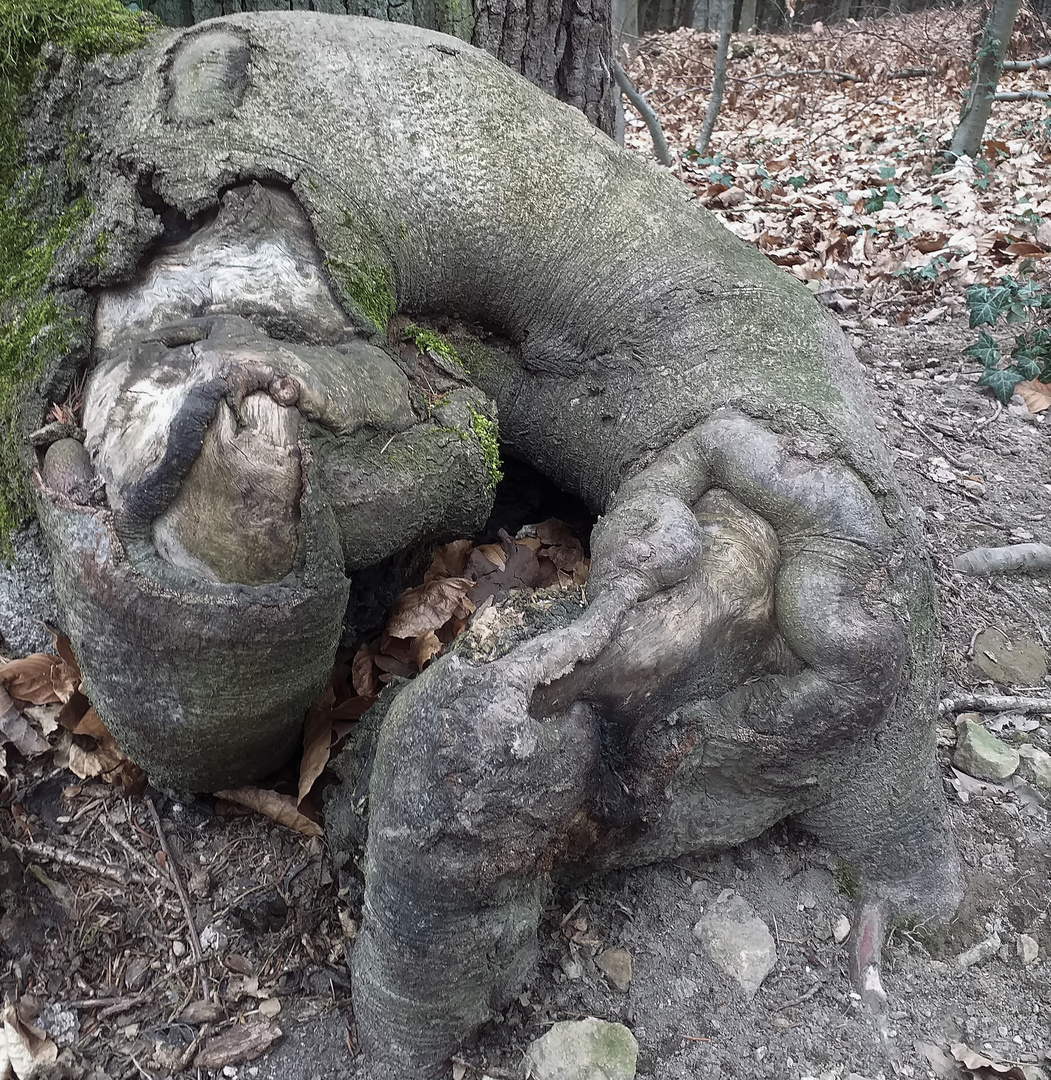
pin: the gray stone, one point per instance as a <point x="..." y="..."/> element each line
<point x="616" y="965"/>
<point x="1011" y="662"/>
<point x="586" y="1049"/>
<point x="738" y="942"/>
<point x="1034" y="765"/>
<point x="981" y="754"/>
<point x="1028" y="949"/>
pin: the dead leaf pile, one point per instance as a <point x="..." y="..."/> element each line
<point x="43" y="710"/>
<point x="824" y="147"/>
<point x="25" y="1051"/>
<point x="42" y="694"/>
<point x="424" y="620"/>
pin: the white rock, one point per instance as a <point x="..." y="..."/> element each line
<point x="841" y="930"/>
<point x="737" y="942"/>
<point x="586" y="1049"/>
<point x="1034" y="765"/>
<point x="1028" y="949"/>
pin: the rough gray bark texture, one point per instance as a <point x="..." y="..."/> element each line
<point x="562" y="46"/>
<point x="758" y="641"/>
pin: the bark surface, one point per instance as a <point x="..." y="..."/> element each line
<point x="563" y="47"/>
<point x="758" y="641"/>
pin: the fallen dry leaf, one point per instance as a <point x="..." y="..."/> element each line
<point x="941" y="1064"/>
<point x="363" y="672"/>
<point x="429" y="606"/>
<point x="448" y="561"/>
<point x="28" y="1050"/>
<point x="40" y="679"/>
<point x="243" y="1043"/>
<point x="64" y="648"/>
<point x="982" y="1067"/>
<point x="280" y="808"/>
<point x="1035" y="394"/>
<point x="424" y="648"/>
<point x="200" y="1012"/>
<point x="16" y="729"/>
<point x="317" y="744"/>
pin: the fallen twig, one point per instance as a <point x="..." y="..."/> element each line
<point x="51" y="853"/>
<point x="955" y="462"/>
<point x="173" y="870"/>
<point x="1022" y="95"/>
<point x="1026" y="65"/>
<point x="802" y="997"/>
<point x="994" y="703"/>
<point x="134" y="852"/>
<point x="1012" y="559"/>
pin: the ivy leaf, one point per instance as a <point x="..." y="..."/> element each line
<point x="985" y="350"/>
<point x="1016" y="314"/>
<point x="1001" y="382"/>
<point x="984" y="310"/>
<point x="1028" y="349"/>
<point x="1029" y="369"/>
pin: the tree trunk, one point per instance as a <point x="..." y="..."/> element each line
<point x="625" y="22"/>
<point x="722" y="59"/>
<point x="996" y="35"/>
<point x="758" y="638"/>
<point x="565" y="48"/>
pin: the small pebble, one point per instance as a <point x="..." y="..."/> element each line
<point x="179" y="948"/>
<point x="841" y="930"/>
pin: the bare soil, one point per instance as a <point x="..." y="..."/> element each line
<point x="104" y="952"/>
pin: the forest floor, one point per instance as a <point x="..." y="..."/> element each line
<point x="108" y="972"/>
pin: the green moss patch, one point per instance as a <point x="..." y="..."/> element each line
<point x="485" y="431"/>
<point x="370" y="287"/>
<point x="33" y="326"/>
<point x="427" y="341"/>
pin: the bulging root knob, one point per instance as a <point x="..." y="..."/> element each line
<point x="284" y="390"/>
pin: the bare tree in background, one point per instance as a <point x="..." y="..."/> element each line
<point x="988" y="63"/>
<point x="726" y="22"/>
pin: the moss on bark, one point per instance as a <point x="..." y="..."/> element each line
<point x="36" y="220"/>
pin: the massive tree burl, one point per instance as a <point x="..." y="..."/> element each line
<point x="277" y="197"/>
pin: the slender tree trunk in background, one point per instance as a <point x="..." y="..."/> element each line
<point x="625" y="22"/>
<point x="726" y="22"/>
<point x="996" y="34"/>
<point x="564" y="48"/>
<point x="701" y="15"/>
<point x="748" y="16"/>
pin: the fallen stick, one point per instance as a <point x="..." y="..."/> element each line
<point x="1026" y="65"/>
<point x="1022" y="95"/>
<point x="994" y="703"/>
<point x="1013" y="559"/>
<point x="173" y="873"/>
<point x="51" y="853"/>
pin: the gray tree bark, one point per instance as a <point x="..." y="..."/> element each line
<point x="996" y="35"/>
<point x="722" y="59"/>
<point x="563" y="47"/>
<point x="759" y="636"/>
